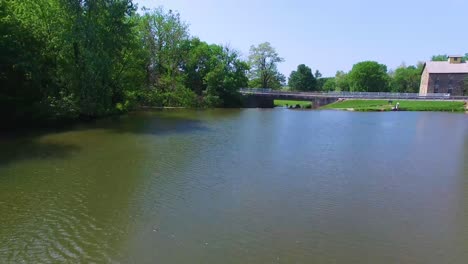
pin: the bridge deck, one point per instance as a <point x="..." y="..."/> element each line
<point x="348" y="95"/>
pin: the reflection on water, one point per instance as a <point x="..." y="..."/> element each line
<point x="239" y="186"/>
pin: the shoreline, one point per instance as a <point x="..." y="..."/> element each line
<point x="375" y="105"/>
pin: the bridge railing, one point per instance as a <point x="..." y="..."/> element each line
<point x="355" y="94"/>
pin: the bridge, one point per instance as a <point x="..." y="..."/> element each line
<point x="264" y="98"/>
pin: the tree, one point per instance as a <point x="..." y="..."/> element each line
<point x="302" y="79"/>
<point x="224" y="80"/>
<point x="72" y="53"/>
<point x="321" y="83"/>
<point x="98" y="39"/>
<point x="369" y="76"/>
<point x="263" y="61"/>
<point x="164" y="36"/>
<point x="406" y="79"/>
<point x="341" y="83"/>
<point x="439" y="58"/>
<point x="445" y="58"/>
<point x="21" y="57"/>
<point x="317" y="74"/>
<point x="329" y="85"/>
<point x="200" y="60"/>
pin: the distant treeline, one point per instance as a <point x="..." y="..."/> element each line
<point x="367" y="76"/>
<point x="68" y="59"/>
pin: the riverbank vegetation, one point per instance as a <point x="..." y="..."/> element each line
<point x="404" y="105"/>
<point x="84" y="59"/>
<point x="64" y="60"/>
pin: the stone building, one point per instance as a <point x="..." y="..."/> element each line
<point x="448" y="77"/>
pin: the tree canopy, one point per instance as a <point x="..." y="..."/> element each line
<point x="369" y="76"/>
<point x="89" y="58"/>
<point x="318" y="74"/>
<point x="406" y="79"/>
<point x="263" y="61"/>
<point x="329" y="85"/>
<point x="444" y="57"/>
<point x="439" y="58"/>
<point x="302" y="79"/>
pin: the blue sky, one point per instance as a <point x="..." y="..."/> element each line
<point x="330" y="35"/>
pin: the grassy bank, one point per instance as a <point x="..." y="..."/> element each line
<point x="405" y="105"/>
<point x="293" y="103"/>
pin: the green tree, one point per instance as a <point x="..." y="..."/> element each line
<point x="96" y="44"/>
<point x="20" y="71"/>
<point x="200" y="60"/>
<point x="369" y="76"/>
<point x="329" y="85"/>
<point x="164" y="37"/>
<point x="302" y="79"/>
<point x="71" y="57"/>
<point x="342" y="83"/>
<point x="439" y="58"/>
<point x="321" y="83"/>
<point x="263" y="61"/>
<point x="318" y="74"/>
<point x="224" y="81"/>
<point x="445" y="58"/>
<point x="406" y="79"/>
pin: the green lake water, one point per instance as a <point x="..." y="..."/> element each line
<point x="239" y="186"/>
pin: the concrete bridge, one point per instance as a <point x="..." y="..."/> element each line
<point x="264" y="98"/>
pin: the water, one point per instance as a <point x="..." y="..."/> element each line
<point x="239" y="186"/>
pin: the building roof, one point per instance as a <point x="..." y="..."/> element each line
<point x="446" y="67"/>
<point x="455" y="56"/>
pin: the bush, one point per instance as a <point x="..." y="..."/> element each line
<point x="180" y="97"/>
<point x="63" y="106"/>
<point x="212" y="101"/>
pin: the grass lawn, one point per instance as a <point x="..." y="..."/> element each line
<point x="405" y="105"/>
<point x="303" y="104"/>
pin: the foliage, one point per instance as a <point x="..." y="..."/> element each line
<point x="185" y="71"/>
<point x="439" y="58"/>
<point x="317" y="74"/>
<point x="302" y="79"/>
<point x="263" y="61"/>
<point x="225" y="79"/>
<point x="200" y="60"/>
<point x="321" y="83"/>
<point x="163" y="35"/>
<point x="329" y="85"/>
<point x="63" y="59"/>
<point x="369" y="76"/>
<point x="342" y="83"/>
<point x="406" y="79"/>
<point x="445" y="57"/>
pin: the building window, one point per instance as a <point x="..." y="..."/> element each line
<point x="450" y="90"/>
<point x="436" y="89"/>
<point x="455" y="59"/>
<point x="437" y="82"/>
<point x="450" y="82"/>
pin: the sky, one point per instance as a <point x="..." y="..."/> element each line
<point x="330" y="35"/>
